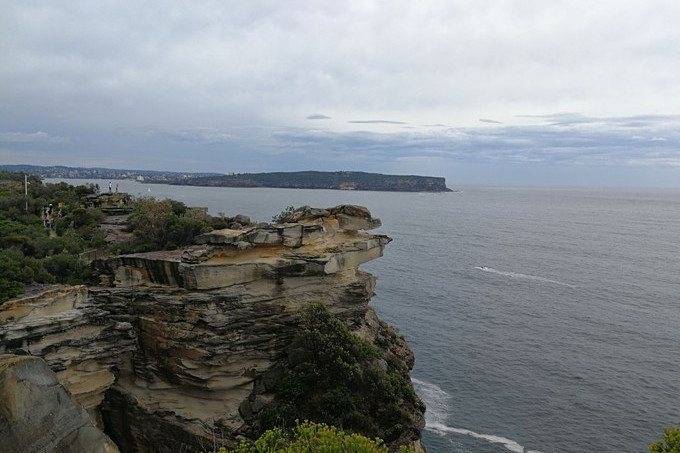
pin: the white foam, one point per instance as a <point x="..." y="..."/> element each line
<point x="522" y="276"/>
<point x="437" y="402"/>
<point x="509" y="444"/>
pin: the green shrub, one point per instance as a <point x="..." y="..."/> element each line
<point x="17" y="270"/>
<point x="66" y="268"/>
<point x="165" y="224"/>
<point x="311" y="437"/>
<point x="670" y="442"/>
<point x="342" y="380"/>
<point x="284" y="216"/>
<point x="28" y="252"/>
<point x="10" y="288"/>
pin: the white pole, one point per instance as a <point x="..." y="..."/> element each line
<point x="26" y="190"/>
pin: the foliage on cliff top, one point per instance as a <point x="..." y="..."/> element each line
<point x="33" y="251"/>
<point x="338" y="378"/>
<point x="164" y="224"/>
<point x="670" y="442"/>
<point x="311" y="437"/>
<point x="30" y="252"/>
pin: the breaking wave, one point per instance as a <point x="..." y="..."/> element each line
<point x="437" y="402"/>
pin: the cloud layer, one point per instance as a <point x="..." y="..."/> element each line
<point x="461" y="89"/>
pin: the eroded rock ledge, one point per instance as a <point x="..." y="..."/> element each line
<point x="180" y="350"/>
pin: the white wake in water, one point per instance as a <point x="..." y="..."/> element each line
<point x="437" y="402"/>
<point x="522" y="276"/>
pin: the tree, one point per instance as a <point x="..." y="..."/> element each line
<point x="28" y="253"/>
<point x="670" y="442"/>
<point x="343" y="380"/>
<point x="149" y="220"/>
<point x="165" y="224"/>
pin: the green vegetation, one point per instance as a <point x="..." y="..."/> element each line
<point x="670" y="442"/>
<point x="166" y="224"/>
<point x="311" y="438"/>
<point x="284" y="216"/>
<point x="35" y="248"/>
<point x="335" y="377"/>
<point x="342" y="380"/>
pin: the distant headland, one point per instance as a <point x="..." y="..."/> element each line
<point x="338" y="180"/>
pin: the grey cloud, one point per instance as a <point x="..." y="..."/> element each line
<point x="201" y="135"/>
<point x="197" y="135"/>
<point x="28" y="137"/>
<point x="251" y="73"/>
<point x="607" y="144"/>
<point x="375" y="122"/>
<point x="560" y="119"/>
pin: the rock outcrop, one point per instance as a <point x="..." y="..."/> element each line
<point x="78" y="340"/>
<point x="38" y="415"/>
<point x="180" y="350"/>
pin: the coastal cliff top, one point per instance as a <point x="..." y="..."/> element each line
<point x="307" y="241"/>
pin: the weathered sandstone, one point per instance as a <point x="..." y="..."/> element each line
<point x="179" y="350"/>
<point x="38" y="415"/>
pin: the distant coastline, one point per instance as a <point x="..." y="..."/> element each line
<point x="337" y="180"/>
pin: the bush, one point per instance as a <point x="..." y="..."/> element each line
<point x="28" y="253"/>
<point x="10" y="288"/>
<point x="311" y="437"/>
<point x="17" y="270"/>
<point x="342" y="380"/>
<point x="284" y="216"/>
<point x="670" y="442"/>
<point x="66" y="268"/>
<point x="164" y="224"/>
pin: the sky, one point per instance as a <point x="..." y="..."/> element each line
<point x="500" y="92"/>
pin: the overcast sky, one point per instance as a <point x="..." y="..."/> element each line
<point x="527" y="92"/>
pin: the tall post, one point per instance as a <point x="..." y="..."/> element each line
<point x="26" y="191"/>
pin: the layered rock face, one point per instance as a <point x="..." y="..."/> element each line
<point x="38" y="415"/>
<point x="78" y="340"/>
<point x="180" y="350"/>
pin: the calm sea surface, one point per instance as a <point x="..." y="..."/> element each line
<point x="543" y="320"/>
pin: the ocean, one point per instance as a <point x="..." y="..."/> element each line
<point x="542" y="319"/>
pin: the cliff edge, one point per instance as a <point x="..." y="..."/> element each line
<point x="185" y="350"/>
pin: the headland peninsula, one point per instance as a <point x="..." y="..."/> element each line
<point x="337" y="180"/>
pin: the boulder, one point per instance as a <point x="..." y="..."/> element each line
<point x="38" y="415"/>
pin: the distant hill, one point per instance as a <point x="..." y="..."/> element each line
<point x="342" y="180"/>
<point x="58" y="171"/>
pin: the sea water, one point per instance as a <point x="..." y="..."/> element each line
<point x="542" y="320"/>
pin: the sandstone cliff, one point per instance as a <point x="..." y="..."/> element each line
<point x="181" y="350"/>
<point x="38" y="415"/>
